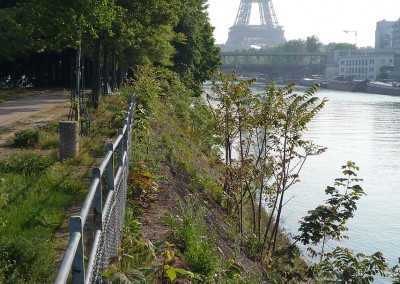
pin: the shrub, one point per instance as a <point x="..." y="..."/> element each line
<point x="200" y="257"/>
<point x="193" y="235"/>
<point x="28" y="163"/>
<point x="26" y="138"/>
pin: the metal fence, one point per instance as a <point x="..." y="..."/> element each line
<point x="107" y="198"/>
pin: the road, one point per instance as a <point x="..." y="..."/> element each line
<point x="19" y="110"/>
<point x="32" y="111"/>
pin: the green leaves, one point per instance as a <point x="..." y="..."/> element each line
<point x="328" y="221"/>
<point x="197" y="57"/>
<point x="266" y="132"/>
<point x="13" y="38"/>
<point x="56" y="25"/>
<point x="173" y="271"/>
<point x="132" y="276"/>
<point x="343" y="266"/>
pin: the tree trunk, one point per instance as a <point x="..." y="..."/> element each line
<point x="106" y="75"/>
<point x="113" y="67"/>
<point x="96" y="74"/>
<point x="119" y="74"/>
<point x="77" y="83"/>
<point x="13" y="79"/>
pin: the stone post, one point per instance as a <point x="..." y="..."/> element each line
<point x="69" y="139"/>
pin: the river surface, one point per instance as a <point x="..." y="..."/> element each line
<point x="364" y="128"/>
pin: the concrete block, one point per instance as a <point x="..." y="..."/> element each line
<point x="69" y="139"/>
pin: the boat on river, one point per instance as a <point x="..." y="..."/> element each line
<point x="314" y="79"/>
<point x="347" y="86"/>
<point x="376" y="87"/>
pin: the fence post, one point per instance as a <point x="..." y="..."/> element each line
<point x="98" y="200"/>
<point x="127" y="133"/>
<point x="110" y="168"/>
<point x="78" y="265"/>
<point x="120" y="148"/>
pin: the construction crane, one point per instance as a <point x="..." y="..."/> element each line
<point x="355" y="35"/>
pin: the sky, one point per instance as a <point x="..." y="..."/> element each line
<point x="327" y="19"/>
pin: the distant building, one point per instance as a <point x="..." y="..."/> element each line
<point x="395" y="75"/>
<point x="363" y="64"/>
<point x="395" y="37"/>
<point x="332" y="67"/>
<point x="383" y="35"/>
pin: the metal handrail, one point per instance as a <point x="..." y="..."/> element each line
<point x="73" y="260"/>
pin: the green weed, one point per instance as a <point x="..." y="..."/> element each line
<point x="14" y="94"/>
<point x="28" y="163"/>
<point x="147" y="148"/>
<point x="48" y="140"/>
<point x="25" y="260"/>
<point x="43" y="137"/>
<point x="32" y="207"/>
<point x="191" y="232"/>
<point x="4" y="129"/>
<point x="26" y="138"/>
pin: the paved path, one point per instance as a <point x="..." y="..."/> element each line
<point x="19" y="110"/>
<point x="38" y="109"/>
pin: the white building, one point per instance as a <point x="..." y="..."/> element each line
<point x="362" y="64"/>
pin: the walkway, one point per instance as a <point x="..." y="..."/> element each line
<point x="36" y="110"/>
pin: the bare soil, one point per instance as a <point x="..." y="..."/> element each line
<point x="172" y="190"/>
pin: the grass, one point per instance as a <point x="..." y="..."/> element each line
<point x="17" y="93"/>
<point x="14" y="94"/>
<point x="39" y="138"/>
<point x="31" y="211"/>
<point x="193" y="235"/>
<point x="4" y="129"/>
<point x="36" y="190"/>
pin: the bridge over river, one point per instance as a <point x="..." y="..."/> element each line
<point x="285" y="65"/>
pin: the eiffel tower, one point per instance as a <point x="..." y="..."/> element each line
<point x="243" y="35"/>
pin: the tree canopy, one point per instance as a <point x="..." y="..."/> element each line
<point x="340" y="46"/>
<point x="170" y="33"/>
<point x="196" y="54"/>
<point x="310" y="44"/>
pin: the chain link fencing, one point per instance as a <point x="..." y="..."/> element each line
<point x="98" y="227"/>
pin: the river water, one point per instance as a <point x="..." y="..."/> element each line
<point x="364" y="128"/>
